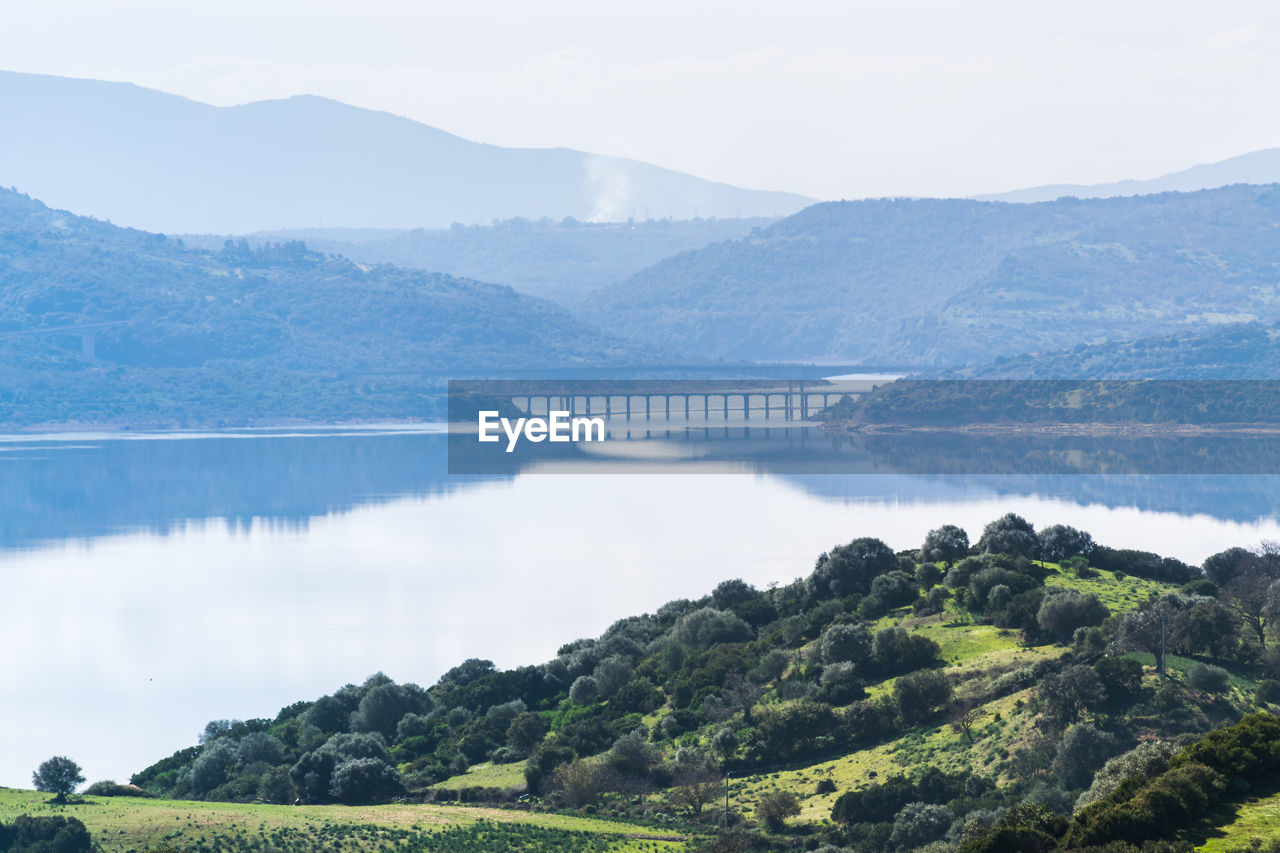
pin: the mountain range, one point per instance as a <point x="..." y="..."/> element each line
<point x="111" y="325"/>
<point x="168" y="164"/>
<point x="951" y="282"/>
<point x="1255" y="167"/>
<point x="562" y="260"/>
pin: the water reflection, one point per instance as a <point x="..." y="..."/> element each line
<point x="152" y="585"/>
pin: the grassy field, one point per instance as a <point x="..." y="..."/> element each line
<point x="123" y="824"/>
<point x="1003" y="726"/>
<point x="488" y="775"/>
<point x="1118" y="594"/>
<point x="1257" y="818"/>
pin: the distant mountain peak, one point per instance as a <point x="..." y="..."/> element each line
<point x="166" y="163"/>
<point x="1255" y="167"/>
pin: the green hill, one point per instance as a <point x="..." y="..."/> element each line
<point x="1234" y="351"/>
<point x="949" y="282"/>
<point x="883" y="702"/>
<point x="562" y="260"/>
<point x="103" y="325"/>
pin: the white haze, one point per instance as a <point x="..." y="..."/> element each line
<point x="825" y="99"/>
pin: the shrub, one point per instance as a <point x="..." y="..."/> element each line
<point x="918" y="824"/>
<point x="775" y="807"/>
<point x="584" y="691"/>
<point x="1209" y="678"/>
<point x="111" y="788"/>
<point x="919" y="694"/>
<point x="1147" y="760"/>
<point x="1268" y="692"/>
<point x="844" y="642"/>
<point x="1061" y="613"/>
<point x="365" y="780"/>
<point x="40" y="834"/>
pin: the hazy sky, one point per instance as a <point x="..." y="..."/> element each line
<point x="829" y="99"/>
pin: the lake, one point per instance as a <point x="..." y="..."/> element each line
<point x="152" y="583"/>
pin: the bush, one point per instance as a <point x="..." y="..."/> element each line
<point x="111" y="788"/>
<point x="844" y="642"/>
<point x="707" y="627"/>
<point x="45" y="835"/>
<point x="365" y="780"/>
<point x="1061" y="613"/>
<point x="1009" y="534"/>
<point x="775" y="807"/>
<point x="1209" y="678"/>
<point x="584" y="691"/>
<point x="919" y="694"/>
<point x="1147" y="760"/>
<point x="849" y="569"/>
<point x="1268" y="692"/>
<point x="917" y="824"/>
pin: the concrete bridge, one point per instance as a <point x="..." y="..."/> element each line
<point x="687" y="400"/>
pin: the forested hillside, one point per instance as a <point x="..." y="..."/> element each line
<point x="100" y="324"/>
<point x="562" y="260"/>
<point x="950" y="282"/>
<point x="935" y="698"/>
<point x="1234" y="351"/>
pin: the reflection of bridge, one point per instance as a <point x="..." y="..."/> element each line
<point x="683" y="400"/>
<point x="84" y="330"/>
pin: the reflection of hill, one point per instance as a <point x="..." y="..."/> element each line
<point x="1239" y="497"/>
<point x="60" y="490"/>
<point x="64" y="490"/>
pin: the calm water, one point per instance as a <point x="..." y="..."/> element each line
<point x="152" y="584"/>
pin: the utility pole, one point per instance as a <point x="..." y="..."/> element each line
<point x="726" y="799"/>
<point x="1163" y="675"/>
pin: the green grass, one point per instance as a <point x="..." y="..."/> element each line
<point x="932" y="746"/>
<point x="1118" y="594"/>
<point x="122" y="824"/>
<point x="1258" y="818"/>
<point x="488" y="775"/>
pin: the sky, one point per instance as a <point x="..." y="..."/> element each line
<point x="832" y="100"/>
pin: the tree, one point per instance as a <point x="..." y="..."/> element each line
<point x="964" y="717"/>
<point x="695" y="786"/>
<point x="1081" y="751"/>
<point x="1222" y="567"/>
<point x="276" y="787"/>
<point x="212" y="766"/>
<point x="1061" y="613"/>
<point x="918" y="824"/>
<point x="1009" y="534"/>
<point x="631" y="753"/>
<point x="58" y="775"/>
<point x="918" y="694"/>
<point x="1060" y="541"/>
<point x="1254" y="596"/>
<point x="380" y="710"/>
<point x="848" y="569"/>
<point x="584" y="690"/>
<point x="775" y="807"/>
<point x="527" y="731"/>
<point x="365" y="780"/>
<point x="1068" y="694"/>
<point x="707" y="627"/>
<point x="724" y="743"/>
<point x="945" y="544"/>
<point x="845" y="642"/>
<point x="1148" y="760"/>
<point x="579" y="781"/>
